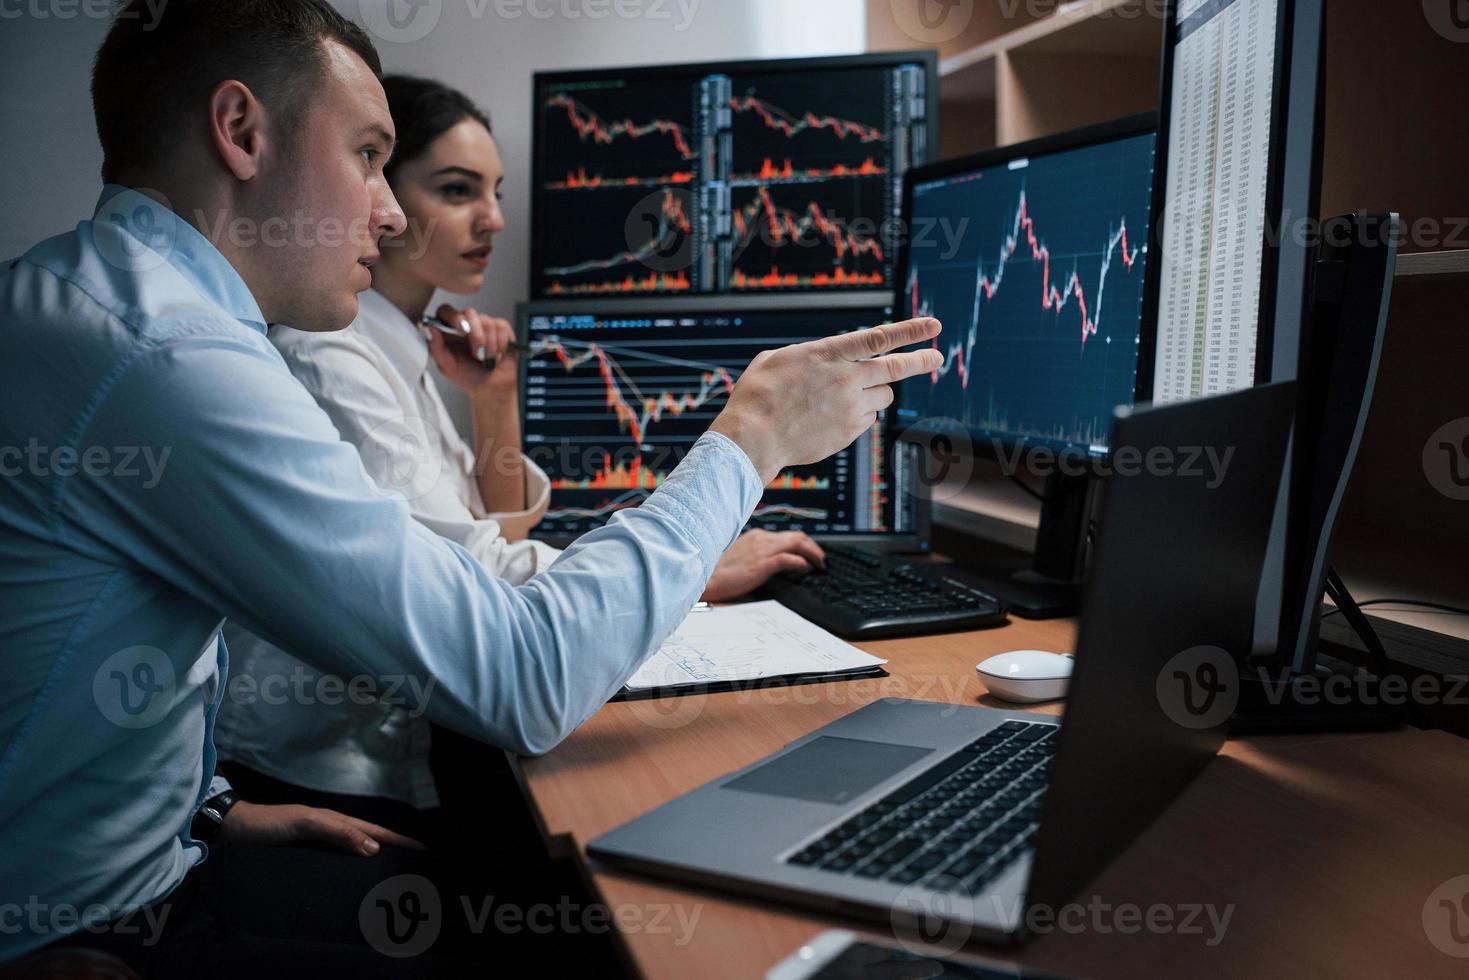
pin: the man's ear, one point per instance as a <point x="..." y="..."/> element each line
<point x="237" y="128"/>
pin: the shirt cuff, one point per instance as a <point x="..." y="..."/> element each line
<point x="710" y="495"/>
<point x="752" y="475"/>
<point x="516" y="524"/>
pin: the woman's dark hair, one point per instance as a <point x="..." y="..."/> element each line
<point x="423" y="110"/>
<point x="155" y="71"/>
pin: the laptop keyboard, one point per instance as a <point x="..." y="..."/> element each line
<point x="954" y="827"/>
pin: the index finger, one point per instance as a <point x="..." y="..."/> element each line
<point x="862" y="344"/>
<point x="892" y="368"/>
<point x="454" y="317"/>
<point x="487" y="337"/>
<point x="804" y="545"/>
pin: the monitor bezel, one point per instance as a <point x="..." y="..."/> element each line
<point x="928" y="57"/>
<point x="916" y="541"/>
<point x="1140" y="124"/>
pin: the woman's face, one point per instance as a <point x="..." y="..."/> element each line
<point x="451" y="197"/>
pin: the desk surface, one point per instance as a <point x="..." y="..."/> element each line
<point x="1325" y="851"/>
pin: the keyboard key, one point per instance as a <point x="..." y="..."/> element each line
<point x="967" y="864"/>
<point x="928" y="860"/>
<point x="902" y="847"/>
<point x="932" y="777"/>
<point x="879" y="836"/>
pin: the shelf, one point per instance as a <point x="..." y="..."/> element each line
<point x="1379" y="562"/>
<point x="1437" y="266"/>
<point x="1086" y="63"/>
<point x="992" y="508"/>
<point x="1093" y="27"/>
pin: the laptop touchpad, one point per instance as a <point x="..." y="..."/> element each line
<point x="829" y="769"/>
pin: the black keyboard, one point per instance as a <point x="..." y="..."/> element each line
<point x="868" y="595"/>
<point x="955" y="827"/>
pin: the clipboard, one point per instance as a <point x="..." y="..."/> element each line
<point x="746" y="686"/>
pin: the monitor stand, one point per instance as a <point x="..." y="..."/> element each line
<point x="1341" y="344"/>
<point x="1276" y="697"/>
<point x="1048" y="584"/>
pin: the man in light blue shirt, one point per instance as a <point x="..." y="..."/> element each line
<point x="163" y="470"/>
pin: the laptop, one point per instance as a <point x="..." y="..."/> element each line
<point x="909" y="810"/>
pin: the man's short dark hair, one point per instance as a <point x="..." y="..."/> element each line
<point x="153" y="76"/>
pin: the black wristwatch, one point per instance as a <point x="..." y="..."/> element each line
<point x="211" y="815"/>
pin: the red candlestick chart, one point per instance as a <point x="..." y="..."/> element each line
<point x="614" y="403"/>
<point x="1037" y="271"/>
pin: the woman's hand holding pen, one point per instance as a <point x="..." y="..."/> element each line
<point x="481" y="359"/>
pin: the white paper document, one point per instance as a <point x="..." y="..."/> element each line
<point x="746" y="642"/>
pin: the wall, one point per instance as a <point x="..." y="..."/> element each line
<point x="50" y="164"/>
<point x="488" y="48"/>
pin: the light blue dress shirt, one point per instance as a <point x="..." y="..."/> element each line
<point x="160" y="470"/>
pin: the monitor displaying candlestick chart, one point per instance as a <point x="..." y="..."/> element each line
<point x="749" y="177"/>
<point x="1034" y="258"/>
<point x="614" y="399"/>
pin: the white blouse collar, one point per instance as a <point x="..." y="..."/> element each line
<point x="394" y="334"/>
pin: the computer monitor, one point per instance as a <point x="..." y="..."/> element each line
<point x="1034" y="256"/>
<point x="615" y="393"/>
<point x="1239" y="173"/>
<point x="1238" y="192"/>
<point x="725" y="177"/>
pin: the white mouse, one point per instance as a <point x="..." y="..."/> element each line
<point x="1027" y="676"/>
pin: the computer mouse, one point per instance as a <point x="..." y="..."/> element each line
<point x="1027" y="676"/>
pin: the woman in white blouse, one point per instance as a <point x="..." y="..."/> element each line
<point x="361" y="744"/>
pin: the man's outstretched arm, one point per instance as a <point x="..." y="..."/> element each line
<point x="263" y="513"/>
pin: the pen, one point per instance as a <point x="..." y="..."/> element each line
<point x="462" y="330"/>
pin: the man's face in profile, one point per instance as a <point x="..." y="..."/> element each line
<point x="325" y="196"/>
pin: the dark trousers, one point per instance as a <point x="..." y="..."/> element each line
<point x="257" y="911"/>
<point x="482" y="811"/>
<point x="485" y="893"/>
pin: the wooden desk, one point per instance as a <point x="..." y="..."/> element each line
<point x="1327" y="847"/>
